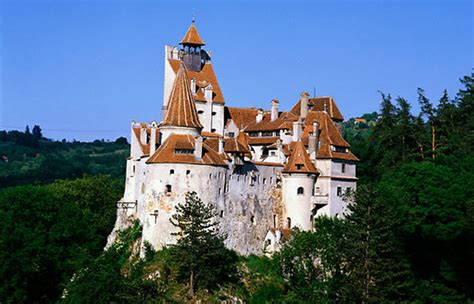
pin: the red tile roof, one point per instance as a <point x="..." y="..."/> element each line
<point x="324" y="103"/>
<point x="181" y="108"/>
<point x="242" y="117"/>
<point x="203" y="78"/>
<point x="192" y="36"/>
<point x="299" y="161"/>
<point x="166" y="152"/>
<point x="284" y="121"/>
<point x="262" y="140"/>
<point x="145" y="147"/>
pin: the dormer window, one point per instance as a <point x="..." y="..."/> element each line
<point x="299" y="166"/>
<point x="200" y="112"/>
<point x="183" y="151"/>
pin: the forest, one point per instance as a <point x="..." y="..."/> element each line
<point x="408" y="238"/>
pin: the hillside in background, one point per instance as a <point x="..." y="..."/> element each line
<point x="29" y="158"/>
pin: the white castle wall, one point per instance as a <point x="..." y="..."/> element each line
<point x="217" y="118"/>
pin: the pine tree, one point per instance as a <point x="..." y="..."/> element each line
<point x="429" y="111"/>
<point x="377" y="270"/>
<point x="200" y="254"/>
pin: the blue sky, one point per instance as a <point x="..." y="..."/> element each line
<point x="85" y="69"/>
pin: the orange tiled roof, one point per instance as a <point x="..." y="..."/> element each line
<point x="203" y="78"/>
<point x="209" y="134"/>
<point x="145" y="147"/>
<point x="262" y="140"/>
<point x="284" y="121"/>
<point x="299" y="161"/>
<point x="328" y="135"/>
<point x="319" y="104"/>
<point x="166" y="152"/>
<point x="242" y="117"/>
<point x="192" y="36"/>
<point x="181" y="108"/>
<point x="261" y="163"/>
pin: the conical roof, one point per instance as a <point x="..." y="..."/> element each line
<point x="299" y="161"/>
<point x="181" y="108"/>
<point x="192" y="36"/>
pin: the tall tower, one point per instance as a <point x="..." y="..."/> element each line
<point x="299" y="178"/>
<point x="190" y="52"/>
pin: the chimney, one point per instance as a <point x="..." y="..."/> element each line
<point x="304" y="104"/>
<point x="208" y="93"/>
<point x="221" y="145"/>
<point x="193" y="86"/>
<point x="198" y="148"/>
<point x="153" y="138"/>
<point x="143" y="135"/>
<point x="259" y="115"/>
<point x="297" y="130"/>
<point x="275" y="104"/>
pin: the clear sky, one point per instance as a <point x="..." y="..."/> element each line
<point x="85" y="69"/>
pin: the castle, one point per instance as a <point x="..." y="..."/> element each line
<point x="266" y="171"/>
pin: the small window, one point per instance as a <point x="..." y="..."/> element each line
<point x="133" y="169"/>
<point x="299" y="166"/>
<point x="271" y="179"/>
<point x="200" y="112"/>
<point x="213" y="113"/>
<point x="288" y="222"/>
<point x="220" y="191"/>
<point x="272" y="153"/>
<point x="339" y="191"/>
<point x="231" y="134"/>
<point x="252" y="219"/>
<point x="171" y="171"/>
<point x="168" y="188"/>
<point x="210" y="176"/>
<point x="275" y="219"/>
<point x="188" y="172"/>
<point x="343" y="168"/>
<point x="222" y="213"/>
<point x="318" y="190"/>
<point x="264" y="181"/>
<point x="300" y="191"/>
<point x="213" y="130"/>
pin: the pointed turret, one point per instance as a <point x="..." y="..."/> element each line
<point x="181" y="108"/>
<point x="299" y="161"/>
<point x="192" y="37"/>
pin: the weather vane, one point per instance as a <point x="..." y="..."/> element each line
<point x="194" y="15"/>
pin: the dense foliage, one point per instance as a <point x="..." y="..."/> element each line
<point x="49" y="232"/>
<point x="29" y="158"/>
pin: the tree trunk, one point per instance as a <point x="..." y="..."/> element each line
<point x="191" y="284"/>
<point x="433" y="140"/>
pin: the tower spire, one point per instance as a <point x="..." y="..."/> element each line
<point x="181" y="108"/>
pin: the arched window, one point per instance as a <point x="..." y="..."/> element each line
<point x="275" y="219"/>
<point x="300" y="191"/>
<point x="288" y="222"/>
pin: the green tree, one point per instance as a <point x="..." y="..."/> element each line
<point x="312" y="263"/>
<point x="200" y="255"/>
<point x="375" y="264"/>
<point x="37" y="132"/>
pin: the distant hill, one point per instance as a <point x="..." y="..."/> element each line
<point x="29" y="158"/>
